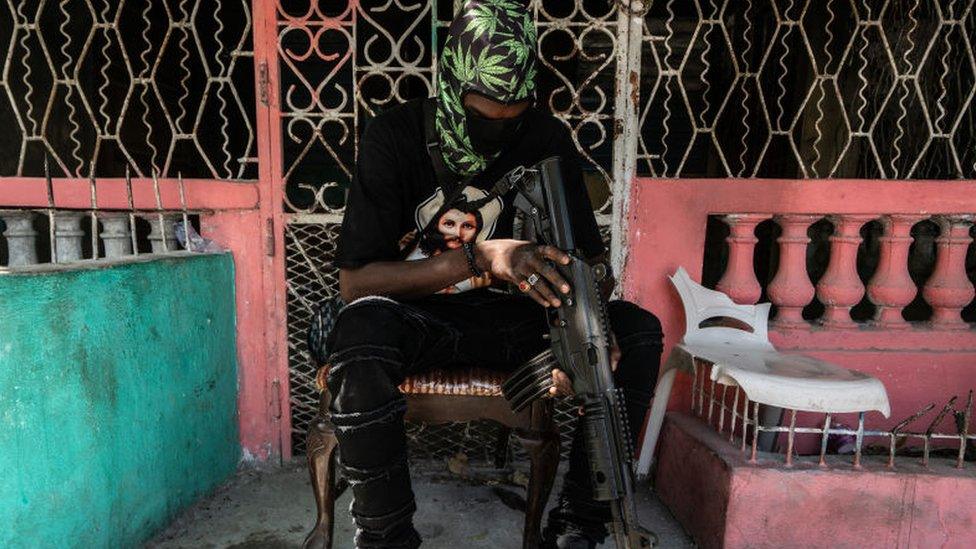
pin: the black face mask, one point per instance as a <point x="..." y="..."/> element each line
<point x="489" y="136"/>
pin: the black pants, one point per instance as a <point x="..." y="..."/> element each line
<point x="377" y="342"/>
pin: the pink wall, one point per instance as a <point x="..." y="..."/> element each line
<point x="667" y="229"/>
<point x="231" y="216"/>
<point x="261" y="394"/>
<point x="722" y="500"/>
<point x="245" y="217"/>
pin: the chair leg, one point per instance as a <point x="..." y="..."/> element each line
<point x="320" y="450"/>
<point x="541" y="442"/>
<point x="654" y="422"/>
<point x="501" y="447"/>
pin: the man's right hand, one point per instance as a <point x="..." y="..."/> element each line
<point x="516" y="261"/>
<point x="513" y="261"/>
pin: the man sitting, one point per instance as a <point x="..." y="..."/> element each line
<point x="421" y="277"/>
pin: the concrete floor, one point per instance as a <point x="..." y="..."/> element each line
<point x="274" y="509"/>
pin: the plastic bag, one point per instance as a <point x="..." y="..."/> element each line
<point x="196" y="242"/>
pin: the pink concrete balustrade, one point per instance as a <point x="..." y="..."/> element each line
<point x="840" y="288"/>
<point x="948" y="290"/>
<point x="739" y="281"/>
<point x="929" y="359"/>
<point x="791" y="289"/>
<point x="891" y="288"/>
<point x="724" y="492"/>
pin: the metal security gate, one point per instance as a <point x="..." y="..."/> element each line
<point x="705" y="88"/>
<point x="156" y="87"/>
<point x="787" y="89"/>
<point x="870" y="89"/>
<point x="339" y="63"/>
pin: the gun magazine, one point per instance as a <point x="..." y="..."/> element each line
<point x="530" y="381"/>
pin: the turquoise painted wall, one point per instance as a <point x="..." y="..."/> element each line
<point x="117" y="398"/>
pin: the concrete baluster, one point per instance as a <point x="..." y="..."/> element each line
<point x="739" y="280"/>
<point x="948" y="290"/>
<point x="21" y="237"/>
<point x="168" y="234"/>
<point x="115" y="234"/>
<point x="840" y="288"/>
<point x="791" y="289"/>
<point x="68" y="236"/>
<point x="891" y="288"/>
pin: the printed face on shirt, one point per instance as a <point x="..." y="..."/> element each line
<point x="452" y="229"/>
<point x="457" y="227"/>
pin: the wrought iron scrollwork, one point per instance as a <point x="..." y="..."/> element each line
<point x="157" y="86"/>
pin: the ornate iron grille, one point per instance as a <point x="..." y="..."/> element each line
<point x="776" y="88"/>
<point x="98" y="85"/>
<point x="342" y="63"/>
<point x="801" y="89"/>
<point x="308" y="248"/>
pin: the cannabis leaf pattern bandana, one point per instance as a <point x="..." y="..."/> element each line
<point x="490" y="49"/>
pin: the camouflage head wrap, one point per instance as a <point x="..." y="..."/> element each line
<point x="490" y="49"/>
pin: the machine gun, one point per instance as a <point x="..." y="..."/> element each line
<point x="580" y="337"/>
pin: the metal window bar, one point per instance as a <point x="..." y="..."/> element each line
<point x="837" y="88"/>
<point x="964" y="441"/>
<point x="154" y="85"/>
<point x="161" y="237"/>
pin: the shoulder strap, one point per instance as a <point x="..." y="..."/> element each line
<point x="450" y="183"/>
<point x="445" y="177"/>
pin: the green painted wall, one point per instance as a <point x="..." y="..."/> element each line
<point x="117" y="398"/>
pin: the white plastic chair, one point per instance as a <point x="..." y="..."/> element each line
<point x="748" y="360"/>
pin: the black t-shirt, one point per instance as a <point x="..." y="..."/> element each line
<point x="395" y="193"/>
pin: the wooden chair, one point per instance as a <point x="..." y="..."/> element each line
<point x="443" y="397"/>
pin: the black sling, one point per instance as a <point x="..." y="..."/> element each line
<point x="446" y="179"/>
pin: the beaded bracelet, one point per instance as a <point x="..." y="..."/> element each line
<point x="468" y="248"/>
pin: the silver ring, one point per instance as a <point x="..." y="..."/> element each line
<point x="533" y="278"/>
